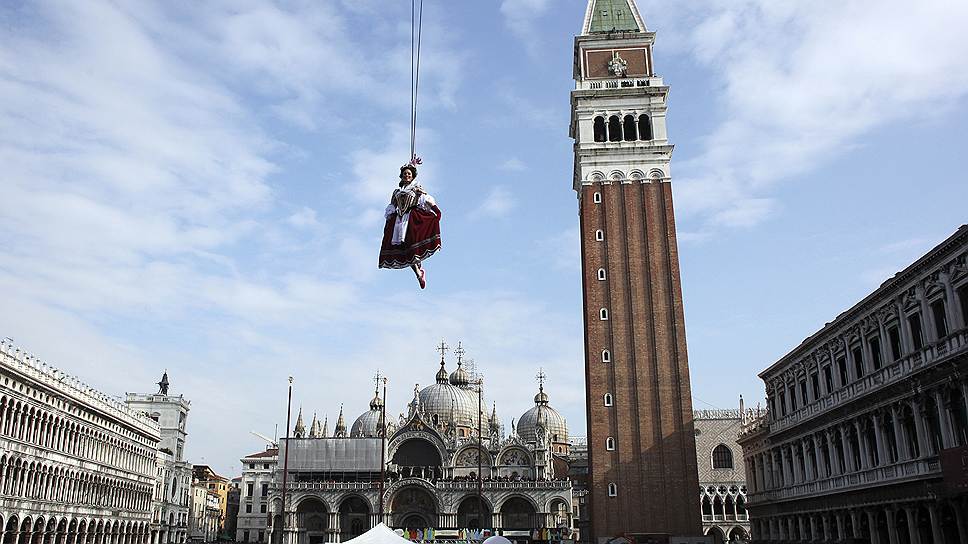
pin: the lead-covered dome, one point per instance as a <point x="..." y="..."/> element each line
<point x="553" y="422"/>
<point x="444" y="403"/>
<point x="368" y="424"/>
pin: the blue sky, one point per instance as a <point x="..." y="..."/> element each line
<point x="199" y="188"/>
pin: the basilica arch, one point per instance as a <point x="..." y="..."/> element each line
<point x="518" y="512"/>
<point x="354" y="516"/>
<point x="472" y="514"/>
<point x="414" y="506"/>
<point x="312" y="520"/>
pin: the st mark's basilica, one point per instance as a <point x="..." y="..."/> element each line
<point x="433" y="457"/>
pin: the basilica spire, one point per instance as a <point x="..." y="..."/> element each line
<point x="325" y="427"/>
<point x="340" y="431"/>
<point x="300" y="430"/>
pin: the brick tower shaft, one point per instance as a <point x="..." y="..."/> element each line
<point x="641" y="441"/>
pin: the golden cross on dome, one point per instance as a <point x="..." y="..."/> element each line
<point x="377" y="378"/>
<point x="442" y="348"/>
<point x="540" y="376"/>
<point x="459" y="352"/>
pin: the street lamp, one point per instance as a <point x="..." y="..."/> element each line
<point x="285" y="463"/>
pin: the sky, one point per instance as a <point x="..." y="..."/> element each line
<point x="198" y="188"/>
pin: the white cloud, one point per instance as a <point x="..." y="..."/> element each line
<point x="497" y="203"/>
<point x="802" y="83"/>
<point x="303" y="218"/>
<point x="513" y="164"/>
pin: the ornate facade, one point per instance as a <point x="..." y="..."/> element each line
<point x="439" y="475"/>
<point x="641" y="441"/>
<point x="722" y="479"/>
<point x="866" y="436"/>
<point x="76" y="465"/>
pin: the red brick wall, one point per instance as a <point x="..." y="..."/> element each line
<point x="654" y="463"/>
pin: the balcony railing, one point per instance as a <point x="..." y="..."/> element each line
<point x="913" y="469"/>
<point x="900" y="370"/>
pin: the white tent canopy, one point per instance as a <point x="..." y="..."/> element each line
<point x="381" y="534"/>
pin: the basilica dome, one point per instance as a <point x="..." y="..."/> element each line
<point x="554" y="423"/>
<point x="368" y="424"/>
<point x="446" y="401"/>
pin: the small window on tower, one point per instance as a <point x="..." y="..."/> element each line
<point x="628" y="127"/>
<point x="610" y="444"/>
<point x="614" y="129"/>
<point x="599" y="129"/>
<point x="612" y="490"/>
<point x="645" y="127"/>
<point x="606" y="356"/>
<point x="599" y="235"/>
<point x="597" y="198"/>
<point x="603" y="314"/>
<point x="601" y="274"/>
<point x="608" y="399"/>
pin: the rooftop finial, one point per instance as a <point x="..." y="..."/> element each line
<point x="459" y="352"/>
<point x="540" y="376"/>
<point x="442" y="348"/>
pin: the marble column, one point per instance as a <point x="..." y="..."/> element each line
<point x="872" y="526"/>
<point x="883" y="456"/>
<point x="924" y="444"/>
<point x="935" y="523"/>
<point x="900" y="436"/>
<point x="913" y="535"/>
<point x="865" y="462"/>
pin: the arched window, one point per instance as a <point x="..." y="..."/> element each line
<point x="603" y="314"/>
<point x="614" y="129"/>
<point x="612" y="490"/>
<point x="599" y="235"/>
<point x="645" y="127"/>
<point x="606" y="356"/>
<point x="628" y="126"/>
<point x="597" y="198"/>
<point x="608" y="399"/>
<point x="600" y="135"/>
<point x="601" y="274"/>
<point x="610" y="443"/>
<point x="722" y="457"/>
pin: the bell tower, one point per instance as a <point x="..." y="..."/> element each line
<point x="641" y="441"/>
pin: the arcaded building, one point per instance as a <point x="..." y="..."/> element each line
<point x="867" y="432"/>
<point x="76" y="465"/>
<point x="439" y="475"/>
<point x="722" y="477"/>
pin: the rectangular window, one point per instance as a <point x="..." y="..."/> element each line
<point x="858" y="355"/>
<point x="773" y="406"/>
<point x="803" y="392"/>
<point x="245" y="536"/>
<point x="875" y="345"/>
<point x="248" y="509"/>
<point x="828" y="378"/>
<point x="782" y="403"/>
<point x="262" y="537"/>
<point x="963" y="299"/>
<point x="894" y="334"/>
<point x="265" y="490"/>
<point x="793" y="400"/>
<point x="263" y="507"/>
<point x="917" y="338"/>
<point x="265" y="466"/>
<point x="815" y="382"/>
<point x="842" y="369"/>
<point x="248" y="490"/>
<point x="940" y="319"/>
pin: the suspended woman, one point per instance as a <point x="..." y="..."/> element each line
<point x="412" y="231"/>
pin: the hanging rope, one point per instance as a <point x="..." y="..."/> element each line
<point x="416" y="32"/>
